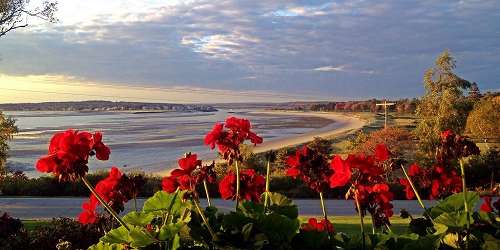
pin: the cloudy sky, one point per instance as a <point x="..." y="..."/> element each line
<point x="224" y="51"/>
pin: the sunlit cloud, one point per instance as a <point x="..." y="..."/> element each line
<point x="44" y="88"/>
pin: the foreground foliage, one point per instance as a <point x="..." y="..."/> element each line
<point x="174" y="219"/>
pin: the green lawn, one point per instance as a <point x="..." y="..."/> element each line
<point x="346" y="224"/>
<point x="350" y="224"/>
<point x="32" y="224"/>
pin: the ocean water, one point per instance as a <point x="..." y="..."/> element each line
<point x="149" y="142"/>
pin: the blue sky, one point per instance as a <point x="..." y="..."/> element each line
<point x="251" y="50"/>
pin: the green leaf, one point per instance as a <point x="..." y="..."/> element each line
<point x="106" y="246"/>
<point x="490" y="243"/>
<point x="428" y="242"/>
<point x="140" y="238"/>
<point x="235" y="220"/>
<point x="161" y="201"/>
<point x="246" y="231"/>
<point x="252" y="209"/>
<point x="454" y="220"/>
<point x="139" y="218"/>
<point x="176" y="242"/>
<point x="282" y="205"/>
<point x="440" y="228"/>
<point x="169" y="231"/>
<point x="455" y="203"/>
<point x="278" y="227"/>
<point x="118" y="235"/>
<point x="279" y="199"/>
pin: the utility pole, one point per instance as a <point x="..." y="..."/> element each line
<point x="385" y="104"/>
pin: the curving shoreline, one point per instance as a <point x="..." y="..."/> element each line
<point x="340" y="124"/>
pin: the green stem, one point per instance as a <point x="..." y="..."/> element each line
<point x="417" y="194"/>
<point x="237" y="185"/>
<point x="212" y="233"/>
<point x="104" y="204"/>
<point x="323" y="206"/>
<point x="266" y="200"/>
<point x="466" y="203"/>
<point x="361" y="220"/>
<point x="207" y="193"/>
<point x="169" y="209"/>
<point x="373" y="225"/>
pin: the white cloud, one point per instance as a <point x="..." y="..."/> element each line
<point x="219" y="46"/>
<point x="331" y="68"/>
<point x="344" y="68"/>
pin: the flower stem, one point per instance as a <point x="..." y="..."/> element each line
<point x="237" y="185"/>
<point x="373" y="225"/>
<point x="169" y="209"/>
<point x="207" y="193"/>
<point x="466" y="203"/>
<point x="104" y="204"/>
<point x="417" y="194"/>
<point x="361" y="220"/>
<point x="323" y="206"/>
<point x="212" y="233"/>
<point x="266" y="199"/>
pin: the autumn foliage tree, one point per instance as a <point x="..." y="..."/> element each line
<point x="7" y="130"/>
<point x="483" y="121"/>
<point x="443" y="106"/>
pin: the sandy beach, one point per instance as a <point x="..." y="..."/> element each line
<point x="340" y="124"/>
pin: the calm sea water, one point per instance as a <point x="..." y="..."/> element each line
<point x="146" y="141"/>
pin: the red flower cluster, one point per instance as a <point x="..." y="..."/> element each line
<point x="434" y="183"/>
<point x="252" y="185"/>
<point x="229" y="136"/>
<point x="370" y="188"/>
<point x="314" y="225"/>
<point x="69" y="152"/>
<point x="116" y="189"/>
<point x="189" y="175"/>
<point x="488" y="207"/>
<point x="453" y="147"/>
<point x="311" y="166"/>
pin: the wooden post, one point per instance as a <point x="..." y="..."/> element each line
<point x="385" y="104"/>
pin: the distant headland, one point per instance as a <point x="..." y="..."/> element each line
<point x="96" y="106"/>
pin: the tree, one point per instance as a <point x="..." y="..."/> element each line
<point x="14" y="14"/>
<point x="443" y="106"/>
<point x="483" y="120"/>
<point x="7" y="130"/>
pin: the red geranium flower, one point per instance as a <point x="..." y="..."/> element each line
<point x="189" y="175"/>
<point x="342" y="172"/>
<point x="252" y="185"/>
<point x="116" y="189"/>
<point x="322" y="226"/>
<point x="69" y="152"/>
<point x="369" y="185"/>
<point x="414" y="170"/>
<point x="88" y="215"/>
<point x="382" y="152"/>
<point x="312" y="167"/>
<point x="228" y="140"/>
<point x="453" y="147"/>
<point x="486" y="206"/>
